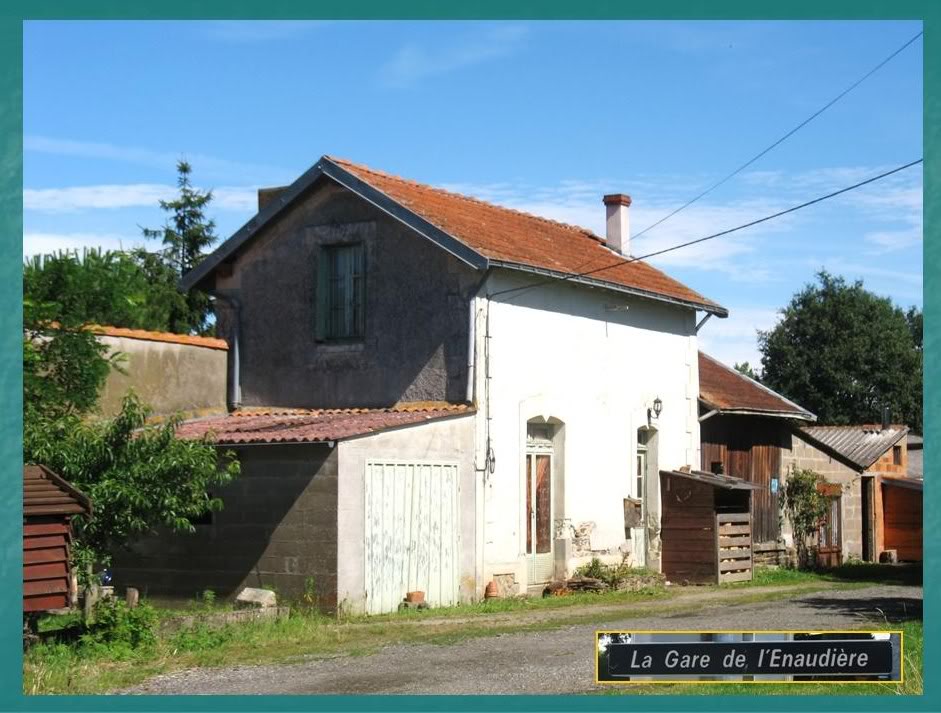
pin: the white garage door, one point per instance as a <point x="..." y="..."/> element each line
<point x="412" y="525"/>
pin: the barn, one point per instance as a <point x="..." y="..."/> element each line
<point x="49" y="503"/>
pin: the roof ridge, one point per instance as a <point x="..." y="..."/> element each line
<point x="757" y="383"/>
<point x="470" y="199"/>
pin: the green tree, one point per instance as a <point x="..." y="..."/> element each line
<point x="138" y="475"/>
<point x="844" y="353"/>
<point x="122" y="289"/>
<point x="64" y="366"/>
<point x="805" y="507"/>
<point x="916" y="326"/>
<point x="746" y="369"/>
<point x="186" y="234"/>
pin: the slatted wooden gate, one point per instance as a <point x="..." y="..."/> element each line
<point x="733" y="547"/>
<point x="411" y="538"/>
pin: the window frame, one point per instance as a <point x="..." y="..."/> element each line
<point x="328" y="305"/>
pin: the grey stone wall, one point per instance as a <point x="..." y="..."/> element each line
<point x="278" y="528"/>
<point x="417" y="311"/>
<point x="803" y="455"/>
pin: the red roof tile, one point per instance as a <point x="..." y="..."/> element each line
<point x="208" y="342"/>
<point x="724" y="388"/>
<point x="512" y="236"/>
<point x="262" y="425"/>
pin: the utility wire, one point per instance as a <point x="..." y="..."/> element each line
<point x="784" y="138"/>
<point x="627" y="261"/>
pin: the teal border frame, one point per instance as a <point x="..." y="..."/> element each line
<point x="14" y="13"/>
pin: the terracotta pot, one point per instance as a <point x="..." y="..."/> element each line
<point x="415" y="597"/>
<point x="491" y="591"/>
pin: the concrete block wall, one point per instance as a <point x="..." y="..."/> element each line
<point x="278" y="530"/>
<point x="803" y="455"/>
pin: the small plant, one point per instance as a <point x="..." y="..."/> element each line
<point x="207" y="598"/>
<point x="310" y="597"/>
<point x="120" y="628"/>
<point x="593" y="570"/>
<point x="805" y="507"/>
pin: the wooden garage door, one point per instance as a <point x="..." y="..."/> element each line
<point x="412" y="525"/>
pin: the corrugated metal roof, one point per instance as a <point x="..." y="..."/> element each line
<point x="907" y="483"/>
<point x="861" y="445"/>
<point x="719" y="481"/>
<point x="262" y="425"/>
<point x="45" y="493"/>
<point x="723" y="388"/>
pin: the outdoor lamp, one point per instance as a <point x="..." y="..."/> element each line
<point x="657" y="407"/>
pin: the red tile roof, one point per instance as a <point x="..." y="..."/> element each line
<point x="512" y="236"/>
<point x="725" y="389"/>
<point x="272" y="425"/>
<point x="208" y="342"/>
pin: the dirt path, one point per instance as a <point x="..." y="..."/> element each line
<point x="556" y="661"/>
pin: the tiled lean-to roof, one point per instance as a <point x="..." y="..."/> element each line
<point x="728" y="391"/>
<point x="482" y="234"/>
<point x="273" y="425"/>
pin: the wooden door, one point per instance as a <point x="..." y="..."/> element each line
<point x="539" y="516"/>
<point x="829" y="536"/>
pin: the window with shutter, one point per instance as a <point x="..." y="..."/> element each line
<point x="341" y="292"/>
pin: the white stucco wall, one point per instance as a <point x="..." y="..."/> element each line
<point x="558" y="352"/>
<point x="448" y="439"/>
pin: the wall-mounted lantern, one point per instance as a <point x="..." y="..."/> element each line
<point x="655" y="411"/>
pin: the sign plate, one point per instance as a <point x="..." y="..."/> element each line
<point x="804" y="658"/>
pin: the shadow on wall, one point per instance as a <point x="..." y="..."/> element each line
<point x="277" y="531"/>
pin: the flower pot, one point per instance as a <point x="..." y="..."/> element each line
<point x="415" y="597"/>
<point x="491" y="591"/>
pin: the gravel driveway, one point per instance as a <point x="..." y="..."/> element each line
<point x="557" y="661"/>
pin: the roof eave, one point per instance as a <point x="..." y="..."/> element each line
<point x="715" y="309"/>
<point x="796" y="415"/>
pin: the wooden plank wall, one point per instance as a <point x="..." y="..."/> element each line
<point x="902" y="512"/>
<point x="734" y="547"/>
<point x="749" y="447"/>
<point x="45" y="563"/>
<point x="688" y="531"/>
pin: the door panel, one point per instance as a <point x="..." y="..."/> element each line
<point x="543" y="498"/>
<point x="411" y="533"/>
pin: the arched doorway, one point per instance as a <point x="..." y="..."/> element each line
<point x="541" y="499"/>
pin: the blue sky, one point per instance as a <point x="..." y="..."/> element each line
<point x="540" y="116"/>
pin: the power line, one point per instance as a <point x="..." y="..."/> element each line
<point x="784" y="138"/>
<point x="627" y="261"/>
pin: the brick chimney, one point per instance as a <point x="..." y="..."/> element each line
<point x="618" y="222"/>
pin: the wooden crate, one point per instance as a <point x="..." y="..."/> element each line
<point x="734" y="562"/>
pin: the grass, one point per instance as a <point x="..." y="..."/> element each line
<point x="850" y="573"/>
<point x="74" y="668"/>
<point x="912" y="683"/>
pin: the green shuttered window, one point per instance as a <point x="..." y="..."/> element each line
<point x="341" y="292"/>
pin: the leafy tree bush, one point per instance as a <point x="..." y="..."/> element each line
<point x="185" y="235"/>
<point x="118" y="626"/>
<point x="845" y="353"/>
<point x="139" y="476"/>
<point x="805" y="507"/>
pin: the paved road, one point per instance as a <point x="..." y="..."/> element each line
<point x="558" y="661"/>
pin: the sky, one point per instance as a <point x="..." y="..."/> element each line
<point x="544" y="117"/>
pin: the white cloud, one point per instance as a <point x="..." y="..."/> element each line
<point x="111" y="196"/>
<point x="39" y="243"/>
<point x="413" y="63"/>
<point x="202" y="164"/>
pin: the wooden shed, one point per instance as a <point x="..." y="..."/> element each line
<point x="903" y="517"/>
<point x="705" y="527"/>
<point x="49" y="503"/>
